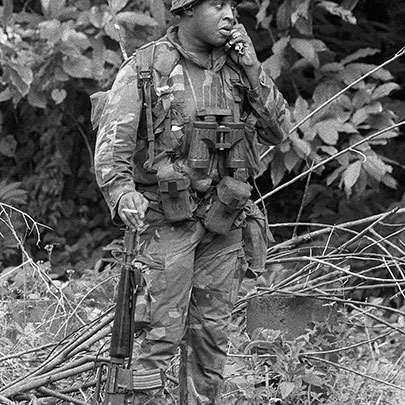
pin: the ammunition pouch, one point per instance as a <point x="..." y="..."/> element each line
<point x="208" y="136"/>
<point x="175" y="196"/>
<point x="230" y="198"/>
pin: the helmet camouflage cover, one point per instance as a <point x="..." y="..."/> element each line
<point x="178" y="5"/>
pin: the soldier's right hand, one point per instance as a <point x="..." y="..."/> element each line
<point x="132" y="208"/>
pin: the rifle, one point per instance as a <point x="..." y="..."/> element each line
<point x="119" y="374"/>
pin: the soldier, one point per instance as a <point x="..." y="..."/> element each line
<point x="177" y="142"/>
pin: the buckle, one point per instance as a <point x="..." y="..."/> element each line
<point x="144" y="76"/>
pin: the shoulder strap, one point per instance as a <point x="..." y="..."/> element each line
<point x="144" y="61"/>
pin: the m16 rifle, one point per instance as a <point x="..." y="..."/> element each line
<point x="119" y="388"/>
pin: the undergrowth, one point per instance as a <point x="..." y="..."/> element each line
<point x="266" y="368"/>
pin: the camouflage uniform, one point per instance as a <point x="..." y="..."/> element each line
<point x="191" y="275"/>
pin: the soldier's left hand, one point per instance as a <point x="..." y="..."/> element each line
<point x="247" y="57"/>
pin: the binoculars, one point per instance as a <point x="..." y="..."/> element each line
<point x="215" y="132"/>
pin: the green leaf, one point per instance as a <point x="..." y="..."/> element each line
<point x="335" y="9"/>
<point x="284" y="13"/>
<point x="334" y="175"/>
<point x="354" y="71"/>
<point x="384" y="90"/>
<point x="301" y="109"/>
<point x="99" y="18"/>
<point x="330" y="150"/>
<point x="78" y="39"/>
<point x="99" y="57"/>
<point x="52" y="8"/>
<point x="274" y="65"/>
<point x="360" y="98"/>
<point x="313" y="379"/>
<point x="350" y="176"/>
<point x="301" y="12"/>
<point x="303" y="148"/>
<point x="286" y="388"/>
<point x="359" y="116"/>
<point x="7" y="11"/>
<point x="375" y="167"/>
<point x="348" y="128"/>
<point x="111" y="30"/>
<point x="323" y="92"/>
<point x="361" y="53"/>
<point x="132" y="18"/>
<point x="36" y="98"/>
<point x="281" y="45"/>
<point x="79" y="67"/>
<point x="21" y="77"/>
<point x="8" y="146"/>
<point x="290" y="160"/>
<point x="328" y="131"/>
<point x="158" y="11"/>
<point x="277" y="169"/>
<point x="112" y="58"/>
<point x="309" y="132"/>
<point x="306" y="49"/>
<point x="389" y="181"/>
<point x="374" y="108"/>
<point x="5" y="95"/>
<point x="319" y="45"/>
<point x="117" y="5"/>
<point x="12" y="193"/>
<point x="50" y="30"/>
<point x="349" y="4"/>
<point x="58" y="95"/>
<point x="262" y="13"/>
<point x="331" y="67"/>
<point x="362" y="114"/>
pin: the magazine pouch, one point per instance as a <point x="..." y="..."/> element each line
<point x="231" y="196"/>
<point x="175" y="196"/>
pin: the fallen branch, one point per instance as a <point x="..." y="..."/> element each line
<point x="288" y="244"/>
<point x="61" y="356"/>
<point x="23" y="353"/>
<point x="40" y="381"/>
<point x="5" y="400"/>
<point x="331" y="363"/>
<point x="58" y="395"/>
<point x="353" y="346"/>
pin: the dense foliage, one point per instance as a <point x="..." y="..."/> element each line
<point x="54" y="54"/>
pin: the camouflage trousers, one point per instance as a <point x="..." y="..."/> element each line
<point x="191" y="279"/>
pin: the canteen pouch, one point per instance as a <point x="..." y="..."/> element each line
<point x="175" y="196"/>
<point x="230" y="198"/>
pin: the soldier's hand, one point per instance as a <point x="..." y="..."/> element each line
<point x="132" y="208"/>
<point x="246" y="56"/>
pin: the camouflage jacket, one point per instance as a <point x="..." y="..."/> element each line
<point x="183" y="84"/>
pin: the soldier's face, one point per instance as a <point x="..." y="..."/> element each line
<point x="213" y="20"/>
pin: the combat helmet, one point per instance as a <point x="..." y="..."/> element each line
<point x="178" y="5"/>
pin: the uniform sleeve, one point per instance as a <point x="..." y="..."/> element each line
<point x="270" y="109"/>
<point x="116" y="138"/>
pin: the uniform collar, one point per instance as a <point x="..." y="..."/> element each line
<point x="215" y="63"/>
